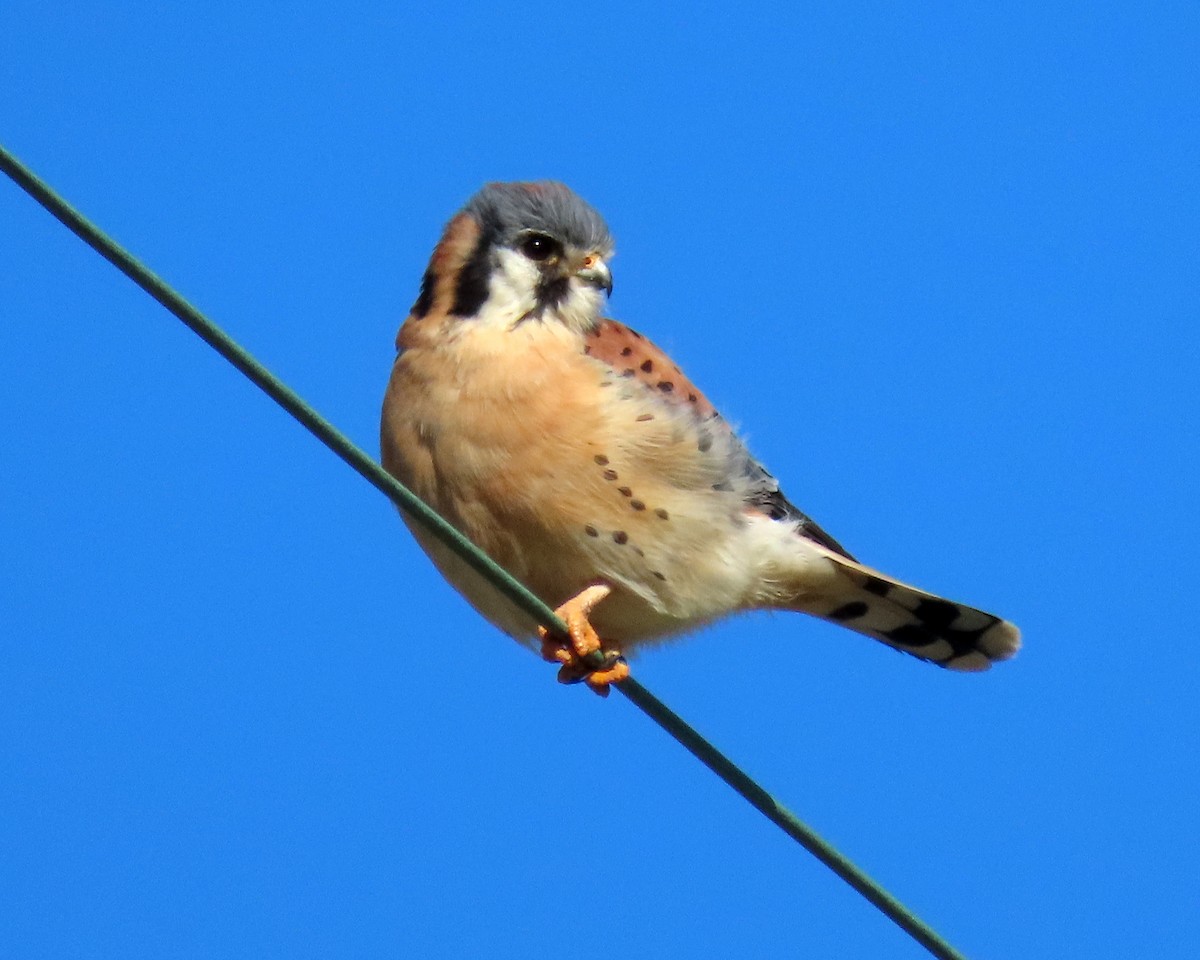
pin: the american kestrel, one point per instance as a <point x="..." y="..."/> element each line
<point x="576" y="454"/>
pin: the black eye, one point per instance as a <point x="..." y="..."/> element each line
<point x="538" y="246"/>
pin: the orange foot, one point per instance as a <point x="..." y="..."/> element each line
<point x="584" y="641"/>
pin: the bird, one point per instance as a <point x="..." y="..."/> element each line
<point x="577" y="455"/>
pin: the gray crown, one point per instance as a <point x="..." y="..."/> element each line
<point x="505" y="210"/>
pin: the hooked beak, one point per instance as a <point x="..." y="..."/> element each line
<point x="595" y="272"/>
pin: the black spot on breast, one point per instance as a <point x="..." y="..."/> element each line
<point x="425" y="300"/>
<point x="706" y="442"/>
<point x="627" y="351"/>
<point x="587" y="351"/>
<point x="662" y="514"/>
<point x="692" y="398"/>
<point x="666" y="386"/>
<point x="644" y="417"/>
<point x="620" y="536"/>
<point x="637" y="504"/>
<point x="625" y="491"/>
<point x="601" y="459"/>
<point x="849" y="611"/>
<point x="627" y="373"/>
<point x="647" y="366"/>
<point x="591" y="531"/>
<point x="657" y="574"/>
<point x="610" y="474"/>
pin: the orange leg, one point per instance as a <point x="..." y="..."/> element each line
<point x="583" y="641"/>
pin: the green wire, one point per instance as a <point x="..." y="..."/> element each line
<point x="419" y="511"/>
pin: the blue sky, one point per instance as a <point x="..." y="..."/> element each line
<point x="941" y="265"/>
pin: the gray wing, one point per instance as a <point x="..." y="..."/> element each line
<point x="767" y="496"/>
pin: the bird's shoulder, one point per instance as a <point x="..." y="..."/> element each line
<point x="633" y="356"/>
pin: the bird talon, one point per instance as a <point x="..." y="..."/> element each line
<point x="570" y="673"/>
<point x="614" y="670"/>
<point x="582" y="642"/>
<point x="553" y="650"/>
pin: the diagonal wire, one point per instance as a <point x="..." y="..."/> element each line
<point x="419" y="511"/>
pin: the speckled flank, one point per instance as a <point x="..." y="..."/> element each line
<point x="633" y="357"/>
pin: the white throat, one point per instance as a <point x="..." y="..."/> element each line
<point x="512" y="297"/>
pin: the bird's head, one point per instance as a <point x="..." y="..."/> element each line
<point x="521" y="251"/>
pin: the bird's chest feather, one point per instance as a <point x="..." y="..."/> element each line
<point x="561" y="469"/>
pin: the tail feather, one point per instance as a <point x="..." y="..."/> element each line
<point x="949" y="634"/>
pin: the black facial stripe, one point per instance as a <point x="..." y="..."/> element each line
<point x="471" y="291"/>
<point x="552" y="291"/>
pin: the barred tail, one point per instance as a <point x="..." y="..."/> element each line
<point x="929" y="627"/>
